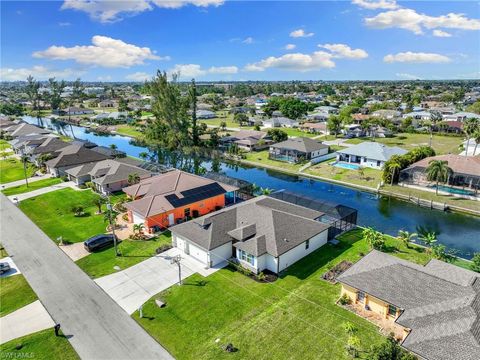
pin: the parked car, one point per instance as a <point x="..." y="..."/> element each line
<point x="4" y="267"/>
<point x="99" y="242"/>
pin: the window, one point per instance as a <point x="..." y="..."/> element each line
<point x="187" y="212"/>
<point x="307" y="244"/>
<point x="360" y="297"/>
<point x="392" y="310"/>
<point x="378" y="163"/>
<point x="246" y="257"/>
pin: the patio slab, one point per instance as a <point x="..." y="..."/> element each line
<point x="74" y="251"/>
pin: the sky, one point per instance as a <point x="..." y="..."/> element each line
<point x="215" y="40"/>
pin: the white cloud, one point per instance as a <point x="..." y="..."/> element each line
<point x="138" y="76"/>
<point x="412" y="57"/>
<point x="104" y="51"/>
<point x="408" y="76"/>
<point x="107" y="11"/>
<point x="300" y="33"/>
<point x="409" y="19"/>
<point x="39" y="72"/>
<point x="248" y="40"/>
<point x="290" y="46"/>
<point x="195" y="70"/>
<point x="294" y="62"/>
<point x="440" y="33"/>
<point x="344" y="51"/>
<point x="376" y="4"/>
<point x="104" y="78"/>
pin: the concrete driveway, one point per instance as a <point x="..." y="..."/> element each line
<point x="13" y="268"/>
<point x="132" y="287"/>
<point x="27" y="195"/>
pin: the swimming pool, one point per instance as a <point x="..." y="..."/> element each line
<point x="453" y="190"/>
<point x="345" y="165"/>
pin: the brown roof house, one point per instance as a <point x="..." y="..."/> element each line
<point x="167" y="199"/>
<point x="249" y="140"/>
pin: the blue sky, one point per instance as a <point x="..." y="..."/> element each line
<point x="240" y="40"/>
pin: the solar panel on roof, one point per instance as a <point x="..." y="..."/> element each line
<point x="194" y="195"/>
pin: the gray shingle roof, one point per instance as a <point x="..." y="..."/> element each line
<point x="265" y="225"/>
<point x="373" y="150"/>
<point x="440" y="302"/>
<point x="302" y="144"/>
<point x="74" y="155"/>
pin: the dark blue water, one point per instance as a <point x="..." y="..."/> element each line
<point x="456" y="231"/>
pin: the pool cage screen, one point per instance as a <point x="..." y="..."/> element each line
<point x="340" y="217"/>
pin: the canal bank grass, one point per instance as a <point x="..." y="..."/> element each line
<point x="12" y="170"/>
<point x="296" y="317"/>
<point x="366" y="177"/>
<point x="128" y="131"/>
<point x="35" y="185"/>
<point x="440" y="143"/>
<point x="101" y="263"/>
<point x="4" y="145"/>
<point x="15" y="293"/>
<point x="40" y="345"/>
<point x="52" y="212"/>
<point x="261" y="158"/>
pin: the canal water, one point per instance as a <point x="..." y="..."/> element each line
<point x="386" y="214"/>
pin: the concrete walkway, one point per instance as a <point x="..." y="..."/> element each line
<point x="338" y="142"/>
<point x="97" y="327"/>
<point x="74" y="251"/>
<point x="132" y="287"/>
<point x="28" y="195"/>
<point x="22" y="182"/>
<point x="13" y="268"/>
<point x="26" y="320"/>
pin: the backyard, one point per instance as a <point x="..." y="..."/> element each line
<point x="128" y="130"/>
<point x="294" y="318"/>
<point x="12" y="170"/>
<point x="261" y="158"/>
<point x="15" y="293"/>
<point x="52" y="212"/>
<point x="133" y="251"/>
<point x="35" y="185"/>
<point x="440" y="143"/>
<point x="41" y="345"/>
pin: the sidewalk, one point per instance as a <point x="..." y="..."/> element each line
<point x="22" y="182"/>
<point x="27" y="320"/>
<point x="24" y="196"/>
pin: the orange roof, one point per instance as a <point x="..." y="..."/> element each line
<point x="461" y="164"/>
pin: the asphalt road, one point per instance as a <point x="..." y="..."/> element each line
<point x="98" y="326"/>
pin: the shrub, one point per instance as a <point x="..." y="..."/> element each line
<point x="261" y="276"/>
<point x="349" y="327"/>
<point x="475" y="265"/>
<point x="78" y="210"/>
<point x="345" y="300"/>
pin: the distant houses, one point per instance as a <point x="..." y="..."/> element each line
<point x="298" y="149"/>
<point x="248" y="140"/>
<point x="369" y="154"/>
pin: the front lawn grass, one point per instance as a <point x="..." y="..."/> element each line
<point x="52" y="212"/>
<point x="128" y="130"/>
<point x="133" y="251"/>
<point x="440" y="143"/>
<point x="369" y="177"/>
<point x="261" y="158"/>
<point x="15" y="293"/>
<point x="40" y="345"/>
<point x="296" y="132"/>
<point x="293" y="318"/>
<point x="224" y="116"/>
<point x="12" y="170"/>
<point x="35" y="185"/>
<point x="4" y="145"/>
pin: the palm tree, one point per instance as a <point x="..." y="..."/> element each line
<point x="438" y="171"/>
<point x="24" y="160"/>
<point x="43" y="158"/>
<point x="406" y="237"/>
<point x="476" y="137"/>
<point x="98" y="202"/>
<point x="470" y="127"/>
<point x="113" y="146"/>
<point x="138" y="228"/>
<point x="394" y="166"/>
<point x="429" y="239"/>
<point x="133" y="179"/>
<point x="143" y="156"/>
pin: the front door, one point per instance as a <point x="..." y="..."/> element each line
<point x="171" y="219"/>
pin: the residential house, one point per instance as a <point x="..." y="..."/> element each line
<point x="107" y="176"/>
<point x="107" y="104"/>
<point x="465" y="173"/>
<point x="26" y="143"/>
<point x="280" y="121"/>
<point x="72" y="111"/>
<point x="369" y="154"/>
<point x="392" y="115"/>
<point x="437" y="305"/>
<point x="23" y="129"/>
<point x="317" y="128"/>
<point x="297" y="149"/>
<point x="167" y="199"/>
<point x="71" y="156"/>
<point x="461" y="116"/>
<point x="261" y="234"/>
<point x="248" y="140"/>
<point x="205" y="114"/>
<point x="50" y="145"/>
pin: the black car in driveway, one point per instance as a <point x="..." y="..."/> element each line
<point x="99" y="242"/>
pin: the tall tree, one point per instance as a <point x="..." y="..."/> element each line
<point x="438" y="171"/>
<point x="470" y="127"/>
<point x="56" y="90"/>
<point x="33" y="93"/>
<point x="193" y="100"/>
<point x="334" y="124"/>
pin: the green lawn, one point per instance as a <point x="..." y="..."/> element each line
<point x="4" y="145"/>
<point x="128" y="130"/>
<point x="40" y="345"/>
<point x="441" y="144"/>
<point x="293" y="318"/>
<point x="14" y="294"/>
<point x="227" y="118"/>
<point x="261" y="158"/>
<point x="20" y="189"/>
<point x="370" y="177"/>
<point x="296" y="132"/>
<point x="12" y="170"/>
<point x="52" y="213"/>
<point x="101" y="263"/>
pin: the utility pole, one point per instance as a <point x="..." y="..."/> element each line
<point x="176" y="260"/>
<point x="112" y="226"/>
